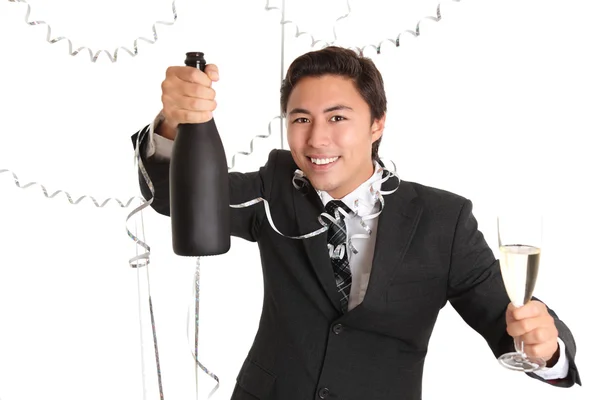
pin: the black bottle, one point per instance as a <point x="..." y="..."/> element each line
<point x="199" y="186"/>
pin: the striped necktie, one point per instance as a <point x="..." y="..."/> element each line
<point x="337" y="238"/>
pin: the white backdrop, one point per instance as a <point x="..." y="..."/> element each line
<point x="498" y="102"/>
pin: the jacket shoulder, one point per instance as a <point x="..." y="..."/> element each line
<point x="280" y="163"/>
<point x="436" y="198"/>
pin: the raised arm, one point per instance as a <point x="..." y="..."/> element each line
<point x="188" y="97"/>
<point x="477" y="293"/>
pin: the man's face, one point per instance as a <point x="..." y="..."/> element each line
<point x="330" y="133"/>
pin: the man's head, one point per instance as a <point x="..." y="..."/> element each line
<point x="335" y="105"/>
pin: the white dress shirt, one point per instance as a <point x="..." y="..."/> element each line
<point x="362" y="203"/>
<point x="158" y="147"/>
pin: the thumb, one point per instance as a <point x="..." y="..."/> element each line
<point x="509" y="313"/>
<point x="212" y="71"/>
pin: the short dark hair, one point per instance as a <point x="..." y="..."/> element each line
<point x="333" y="60"/>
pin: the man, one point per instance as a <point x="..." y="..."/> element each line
<point x="351" y="324"/>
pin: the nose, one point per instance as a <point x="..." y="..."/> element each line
<point x="319" y="135"/>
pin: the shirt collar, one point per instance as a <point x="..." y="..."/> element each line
<point x="360" y="200"/>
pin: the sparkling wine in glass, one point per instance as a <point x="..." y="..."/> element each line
<point x="520" y="241"/>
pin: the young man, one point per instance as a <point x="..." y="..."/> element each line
<point x="351" y="324"/>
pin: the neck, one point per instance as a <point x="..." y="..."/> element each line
<point x="341" y="192"/>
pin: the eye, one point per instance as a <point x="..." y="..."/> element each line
<point x="301" y="120"/>
<point x="337" y="118"/>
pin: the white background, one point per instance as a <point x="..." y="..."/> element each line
<point x="497" y="102"/>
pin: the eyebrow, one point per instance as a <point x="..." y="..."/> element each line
<point x="329" y="109"/>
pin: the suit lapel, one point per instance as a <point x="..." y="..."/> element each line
<point x="395" y="229"/>
<point x="308" y="206"/>
<point x="396" y="226"/>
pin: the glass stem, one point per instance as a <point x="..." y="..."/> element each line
<point x="520" y="345"/>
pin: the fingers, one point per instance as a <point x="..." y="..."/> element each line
<point x="187" y="95"/>
<point x="194" y="75"/>
<point x="522" y="327"/>
<point x="534" y="315"/>
<point x="187" y="89"/>
<point x="530" y="310"/>
<point x="188" y="104"/>
<point x="542" y="350"/>
<point x="543" y="334"/>
<point x="190" y="117"/>
<point x="535" y="327"/>
<point x="212" y="71"/>
<point x="184" y="109"/>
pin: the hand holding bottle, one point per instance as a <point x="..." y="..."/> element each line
<point x="198" y="173"/>
<point x="187" y="97"/>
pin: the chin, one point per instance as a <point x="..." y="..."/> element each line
<point x="321" y="184"/>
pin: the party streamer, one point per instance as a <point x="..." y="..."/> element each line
<point x="121" y="203"/>
<point x="195" y="345"/>
<point x="299" y="33"/>
<point x="360" y="50"/>
<point x="67" y="194"/>
<point x="299" y="181"/>
<point x="247" y="153"/>
<point x="94" y="56"/>
<point x="396" y="40"/>
<point x="141" y="279"/>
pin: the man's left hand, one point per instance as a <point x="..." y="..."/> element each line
<point x="536" y="328"/>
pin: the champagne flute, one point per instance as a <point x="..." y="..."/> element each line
<point x="520" y="241"/>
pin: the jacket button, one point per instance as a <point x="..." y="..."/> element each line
<point x="323" y="393"/>
<point x="338" y="328"/>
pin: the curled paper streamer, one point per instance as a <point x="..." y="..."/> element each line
<point x="247" y="153"/>
<point x="333" y="252"/>
<point x="140" y="282"/>
<point x="143" y="260"/>
<point x="69" y="197"/>
<point x="94" y="55"/>
<point x="360" y="50"/>
<point x="140" y="261"/>
<point x="396" y="40"/>
<point x="195" y="352"/>
<point x="299" y="33"/>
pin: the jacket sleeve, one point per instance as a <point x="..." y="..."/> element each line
<point x="477" y="293"/>
<point x="245" y="222"/>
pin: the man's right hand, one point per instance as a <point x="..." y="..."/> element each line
<point x="187" y="97"/>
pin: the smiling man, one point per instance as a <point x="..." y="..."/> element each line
<point x="331" y="132"/>
<point x="351" y="319"/>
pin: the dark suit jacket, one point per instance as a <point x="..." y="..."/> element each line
<point x="428" y="252"/>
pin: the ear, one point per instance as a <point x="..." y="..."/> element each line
<point x="377" y="128"/>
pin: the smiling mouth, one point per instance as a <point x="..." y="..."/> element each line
<point x="323" y="161"/>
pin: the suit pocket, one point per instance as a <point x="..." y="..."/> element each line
<point x="412" y="290"/>
<point x="256" y="380"/>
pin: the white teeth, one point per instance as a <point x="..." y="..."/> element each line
<point x="323" y="161"/>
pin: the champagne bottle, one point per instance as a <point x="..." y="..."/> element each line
<point x="199" y="186"/>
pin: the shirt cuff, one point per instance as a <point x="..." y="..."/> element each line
<point x="158" y="147"/>
<point x="560" y="370"/>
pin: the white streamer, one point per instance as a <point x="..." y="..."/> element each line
<point x="299" y="33"/>
<point x="94" y="55"/>
<point x="360" y="50"/>
<point x="333" y="252"/>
